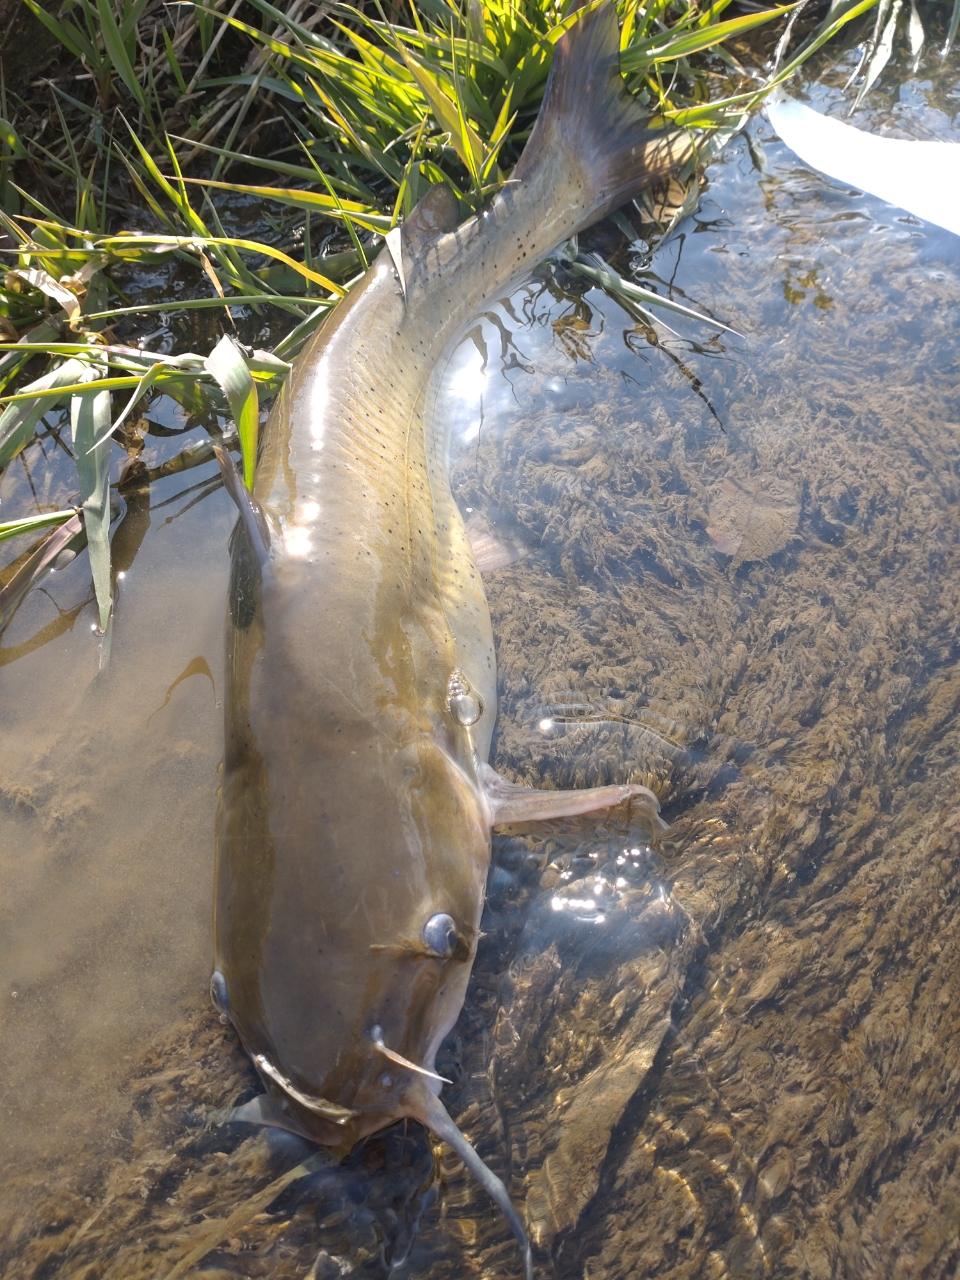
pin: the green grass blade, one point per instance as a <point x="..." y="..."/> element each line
<point x="117" y="53"/>
<point x="952" y="28"/>
<point x="667" y="47"/>
<point x="144" y="385"/>
<point x="111" y="243"/>
<point x="598" y="271"/>
<point x="227" y="366"/>
<point x="35" y="566"/>
<point x="53" y="392"/>
<point x="14" y="528"/>
<point x="10" y="138"/>
<point x="173" y="61"/>
<point x="314" y="201"/>
<point x="292" y="304"/>
<point x="90" y="423"/>
<point x="68" y="35"/>
<point x="19" y="419"/>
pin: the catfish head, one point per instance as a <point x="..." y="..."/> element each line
<point x="351" y="868"/>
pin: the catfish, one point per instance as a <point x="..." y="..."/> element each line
<point x="357" y="802"/>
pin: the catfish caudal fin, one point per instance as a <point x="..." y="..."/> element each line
<point x="430" y="1111"/>
<point x="590" y="130"/>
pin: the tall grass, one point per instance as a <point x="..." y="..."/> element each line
<point x="152" y="113"/>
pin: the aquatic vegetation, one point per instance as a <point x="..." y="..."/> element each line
<point x="795" y="938"/>
<point x="370" y="113"/>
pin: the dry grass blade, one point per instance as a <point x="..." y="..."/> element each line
<point x="221" y="1231"/>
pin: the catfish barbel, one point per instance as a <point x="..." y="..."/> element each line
<point x="357" y="802"/>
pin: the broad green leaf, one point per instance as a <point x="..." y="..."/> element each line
<point x="228" y="367"/>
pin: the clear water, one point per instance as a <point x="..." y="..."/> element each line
<point x="733" y="1054"/>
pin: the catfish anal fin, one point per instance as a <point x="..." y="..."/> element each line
<point x="250" y="510"/>
<point x="507" y="802"/>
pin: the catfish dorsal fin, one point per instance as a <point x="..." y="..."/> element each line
<point x="436" y="213"/>
<point x="250" y="511"/>
<point x="591" y="128"/>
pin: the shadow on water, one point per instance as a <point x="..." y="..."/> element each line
<point x="729" y="1053"/>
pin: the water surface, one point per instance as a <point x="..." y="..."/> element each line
<point x="733" y="1054"/>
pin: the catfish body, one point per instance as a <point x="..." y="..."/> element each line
<point x="354" y="829"/>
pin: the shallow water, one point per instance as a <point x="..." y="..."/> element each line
<point x="733" y="1054"/>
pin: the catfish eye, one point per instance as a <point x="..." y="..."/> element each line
<point x="218" y="991"/>
<point x="440" y="935"/>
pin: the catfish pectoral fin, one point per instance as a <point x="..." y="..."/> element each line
<point x="262" y="1110"/>
<point x="507" y="802"/>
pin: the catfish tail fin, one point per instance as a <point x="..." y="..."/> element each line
<point x="591" y="130"/>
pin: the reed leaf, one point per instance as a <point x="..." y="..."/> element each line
<point x="90" y="427"/>
<point x="30" y="524"/>
<point x="227" y="365"/>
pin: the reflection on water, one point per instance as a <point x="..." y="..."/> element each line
<point x="738" y="581"/>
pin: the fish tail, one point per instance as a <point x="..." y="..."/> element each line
<point x="591" y="132"/>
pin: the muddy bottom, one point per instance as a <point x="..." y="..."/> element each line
<point x="732" y="1053"/>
